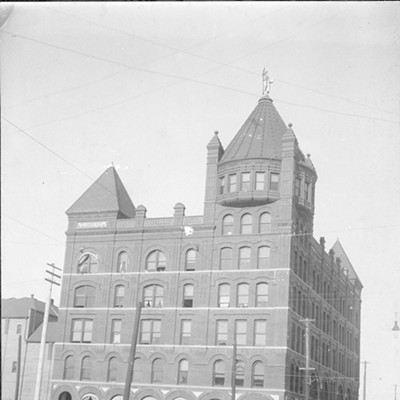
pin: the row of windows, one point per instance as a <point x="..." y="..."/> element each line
<point x="307" y="192"/>
<point x="339" y="302"/>
<point x="320" y="351"/>
<point x="246" y="224"/>
<point x="220" y="374"/>
<point x="150" y="332"/>
<point x="318" y="389"/>
<point x="153" y="296"/>
<point x="18" y="329"/>
<point x="248" y="181"/>
<point x="156" y="260"/>
<point x="322" y="320"/>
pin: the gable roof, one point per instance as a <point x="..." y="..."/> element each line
<point x="106" y="194"/>
<point x="19" y="308"/>
<point x="260" y="136"/>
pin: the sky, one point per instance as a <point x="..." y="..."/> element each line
<point x="145" y="85"/>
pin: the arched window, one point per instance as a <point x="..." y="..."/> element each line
<point x="227" y="225"/>
<point x="183" y="370"/>
<point x="112" y="372"/>
<point x="87" y="263"/>
<point x="313" y="279"/>
<point x="69" y="368"/>
<point x="122" y="262"/>
<point x="65" y="396"/>
<point x="153" y="296"/>
<point x="157" y="371"/>
<point x="242" y="295"/>
<point x="257" y="374"/>
<point x="188" y="291"/>
<point x="296" y="380"/>
<point x="300" y="267"/>
<point x="155" y="261"/>
<point x="291" y="378"/>
<point x="84" y="296"/>
<point x="301" y="388"/>
<point x="119" y="295"/>
<point x="263" y="254"/>
<point x="239" y="376"/>
<point x="265" y="223"/>
<point x="218" y="373"/>
<point x="86" y="368"/>
<point x="224" y="295"/>
<point x="246" y="224"/>
<point x="305" y="271"/>
<point x="190" y="260"/>
<point x="137" y="370"/>
<point x="225" y="258"/>
<point x="262" y="294"/>
<point x="244" y="258"/>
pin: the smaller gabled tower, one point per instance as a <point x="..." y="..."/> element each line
<point x="106" y="198"/>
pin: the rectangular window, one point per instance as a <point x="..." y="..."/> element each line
<point x="6" y="325"/>
<point x="50" y="351"/>
<point x="150" y="331"/>
<point x="297" y="186"/>
<point x="116" y="327"/>
<point x="245" y="181"/>
<point x="274" y="183"/>
<point x="14" y="367"/>
<point x="260" y="180"/>
<point x="186" y="329"/>
<point x="307" y="191"/>
<point x="232" y="183"/>
<point x="260" y="333"/>
<point x="222" y="333"/>
<point x="221" y="185"/>
<point x="81" y="330"/>
<point x="19" y="329"/>
<point x="241" y="332"/>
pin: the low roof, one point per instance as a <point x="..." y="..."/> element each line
<point x="53" y="334"/>
<point x="19" y="308"/>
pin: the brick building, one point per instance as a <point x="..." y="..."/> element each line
<point x="247" y="270"/>
<point x="24" y="318"/>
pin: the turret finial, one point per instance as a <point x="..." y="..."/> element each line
<point x="266" y="82"/>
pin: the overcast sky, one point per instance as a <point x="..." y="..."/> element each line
<point x="145" y="85"/>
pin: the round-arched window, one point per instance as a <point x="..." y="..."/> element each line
<point x="65" y="396"/>
<point x="155" y="261"/>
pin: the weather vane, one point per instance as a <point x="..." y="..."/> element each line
<point x="266" y="82"/>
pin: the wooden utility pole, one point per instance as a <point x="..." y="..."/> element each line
<point x="365" y="380"/>
<point x="132" y="353"/>
<point x="44" y="330"/>
<point x="233" y="371"/>
<point x="307" y="322"/>
<point x="395" y="392"/>
<point x="18" y="368"/>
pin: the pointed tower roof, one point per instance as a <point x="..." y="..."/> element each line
<point x="345" y="262"/>
<point x="107" y="194"/>
<point x="260" y="136"/>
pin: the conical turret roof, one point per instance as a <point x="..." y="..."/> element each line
<point x="107" y="194"/>
<point x="260" y="136"/>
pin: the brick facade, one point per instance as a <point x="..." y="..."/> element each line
<point x="248" y="269"/>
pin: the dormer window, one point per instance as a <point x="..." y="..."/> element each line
<point x="245" y="181"/>
<point x="232" y="183"/>
<point x="274" y="183"/>
<point x="260" y="180"/>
